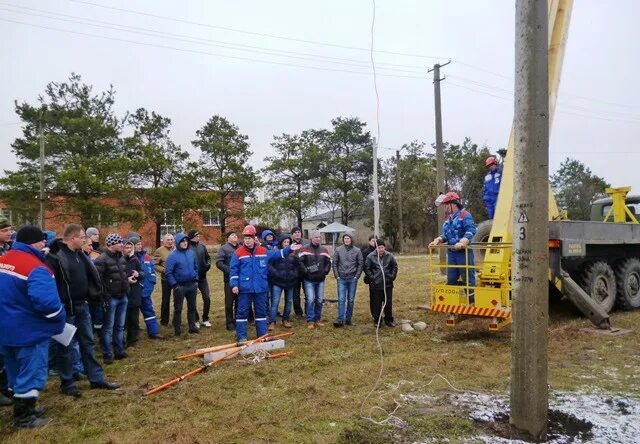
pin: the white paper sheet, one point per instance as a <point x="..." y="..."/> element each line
<point x="65" y="337"/>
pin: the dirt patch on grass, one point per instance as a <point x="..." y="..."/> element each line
<point x="562" y="427"/>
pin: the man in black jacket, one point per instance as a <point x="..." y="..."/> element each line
<point x="204" y="264"/>
<point x="223" y="261"/>
<point x="315" y="265"/>
<point x="78" y="284"/>
<point x="112" y="269"/>
<point x="381" y="270"/>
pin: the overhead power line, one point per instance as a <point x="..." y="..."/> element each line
<point x="195" y="51"/>
<point x="259" y="34"/>
<point x="559" y="111"/>
<point x="35" y="12"/>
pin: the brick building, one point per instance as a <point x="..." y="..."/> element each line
<point x="204" y="220"/>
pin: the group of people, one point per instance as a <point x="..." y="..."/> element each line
<point x="48" y="282"/>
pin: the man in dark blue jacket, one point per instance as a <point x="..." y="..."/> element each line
<point x="283" y="275"/>
<point x="249" y="265"/>
<point x="30" y="313"/>
<point x="181" y="272"/>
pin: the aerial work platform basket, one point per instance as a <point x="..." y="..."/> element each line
<point x="489" y="298"/>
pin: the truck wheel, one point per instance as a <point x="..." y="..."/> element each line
<point x="483" y="230"/>
<point x="628" y="282"/>
<point x="599" y="281"/>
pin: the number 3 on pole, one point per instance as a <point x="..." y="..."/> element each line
<point x="523" y="233"/>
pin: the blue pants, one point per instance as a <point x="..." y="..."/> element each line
<point x="65" y="364"/>
<point x="181" y="292"/>
<point x="346" y="293"/>
<point x="26" y="368"/>
<point x="97" y="315"/>
<point x="276" y="292"/>
<point x="259" y="301"/>
<point x="453" y="274"/>
<point x="112" y="334"/>
<point x="314" y="294"/>
<point x="491" y="208"/>
<point x="149" y="315"/>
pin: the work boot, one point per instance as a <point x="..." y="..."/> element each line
<point x="272" y="326"/>
<point x="105" y="385"/>
<point x="24" y="414"/>
<point x="5" y="401"/>
<point x="71" y="391"/>
<point x="286" y="324"/>
<point x="338" y="324"/>
<point x="310" y="325"/>
<point x="320" y="323"/>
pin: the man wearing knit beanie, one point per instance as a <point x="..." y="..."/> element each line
<point x="30" y="314"/>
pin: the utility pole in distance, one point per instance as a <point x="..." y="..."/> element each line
<point x="440" y="177"/>
<point x="41" y="197"/>
<point x="529" y="389"/>
<point x="399" y="197"/>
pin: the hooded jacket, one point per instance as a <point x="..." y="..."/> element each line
<point x="112" y="269"/>
<point x="269" y="245"/>
<point x="30" y="308"/>
<point x="58" y="260"/>
<point x="347" y="262"/>
<point x="203" y="260"/>
<point x="315" y="262"/>
<point x="181" y="267"/>
<point x="374" y="273"/>
<point x="249" y="268"/>
<point x="284" y="272"/>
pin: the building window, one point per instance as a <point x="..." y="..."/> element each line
<point x="210" y="218"/>
<point x="172" y="223"/>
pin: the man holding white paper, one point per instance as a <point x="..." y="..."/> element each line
<point x="78" y="285"/>
<point x="30" y="313"/>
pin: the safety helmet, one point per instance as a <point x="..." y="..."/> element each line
<point x="451" y="197"/>
<point x="249" y="230"/>
<point x="490" y="161"/>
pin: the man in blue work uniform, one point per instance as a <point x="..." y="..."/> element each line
<point x="30" y="313"/>
<point x="491" y="185"/>
<point x="457" y="231"/>
<point x="248" y="280"/>
<point x="148" y="283"/>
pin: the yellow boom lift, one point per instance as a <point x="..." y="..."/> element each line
<point x="603" y="257"/>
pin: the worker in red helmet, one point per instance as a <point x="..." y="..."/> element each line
<point x="491" y="185"/>
<point x="457" y="231"/>
<point x="248" y="280"/>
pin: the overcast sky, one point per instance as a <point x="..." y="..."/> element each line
<point x="174" y="57"/>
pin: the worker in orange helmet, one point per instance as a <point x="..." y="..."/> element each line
<point x="491" y="185"/>
<point x="457" y="231"/>
<point x="248" y="280"/>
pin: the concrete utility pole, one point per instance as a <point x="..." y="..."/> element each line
<point x="440" y="177"/>
<point x="529" y="390"/>
<point x="399" y="197"/>
<point x="41" y="137"/>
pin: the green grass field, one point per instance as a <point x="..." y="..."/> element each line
<point x="316" y="394"/>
